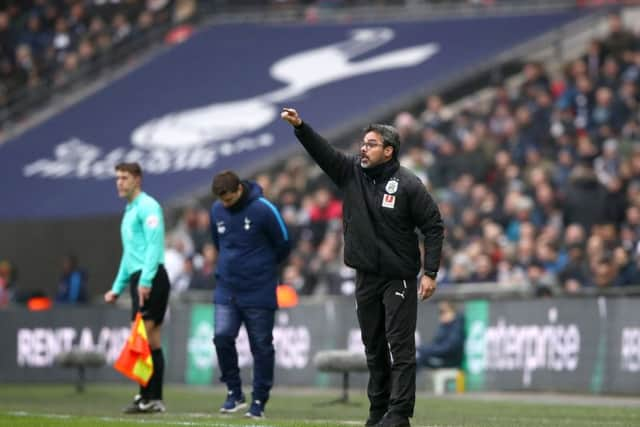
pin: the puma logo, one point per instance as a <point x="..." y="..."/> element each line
<point x="401" y="294"/>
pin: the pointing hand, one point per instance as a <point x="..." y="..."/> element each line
<point x="290" y="115"/>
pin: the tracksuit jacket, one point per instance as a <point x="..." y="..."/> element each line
<point x="381" y="212"/>
<point x="252" y="239"/>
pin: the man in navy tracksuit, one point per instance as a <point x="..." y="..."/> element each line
<point x="251" y="240"/>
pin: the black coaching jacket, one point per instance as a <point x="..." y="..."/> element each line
<point x="382" y="209"/>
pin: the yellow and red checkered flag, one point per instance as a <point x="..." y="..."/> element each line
<point x="135" y="359"/>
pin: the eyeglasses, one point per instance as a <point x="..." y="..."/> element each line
<point x="369" y="145"/>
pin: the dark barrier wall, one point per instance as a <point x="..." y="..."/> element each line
<point x="36" y="249"/>
<point x="30" y="341"/>
<point x="577" y="345"/>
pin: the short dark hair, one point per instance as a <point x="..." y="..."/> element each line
<point x="133" y="168"/>
<point x="225" y="182"/>
<point x="449" y="304"/>
<point x="389" y="134"/>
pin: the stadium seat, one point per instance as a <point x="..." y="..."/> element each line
<point x="80" y="360"/>
<point x="441" y="379"/>
<point x="341" y="361"/>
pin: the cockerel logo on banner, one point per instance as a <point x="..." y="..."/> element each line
<point x="135" y="359"/>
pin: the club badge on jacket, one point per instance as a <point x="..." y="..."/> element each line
<point x="392" y="186"/>
<point x="389" y="200"/>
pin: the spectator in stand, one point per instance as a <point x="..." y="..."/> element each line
<point x="174" y="256"/>
<point x="407" y="129"/>
<point x="324" y="209"/>
<point x="628" y="273"/>
<point x="44" y="41"/>
<point x="204" y="276"/>
<point x="7" y="282"/>
<point x="72" y="287"/>
<point x="484" y="270"/>
<point x="436" y="115"/>
<point x="184" y="279"/>
<point x="585" y="197"/>
<point x="575" y="274"/>
<point x="446" y="349"/>
<point x="200" y="231"/>
<point x="619" y="40"/>
<point x="326" y="265"/>
<point x="604" y="272"/>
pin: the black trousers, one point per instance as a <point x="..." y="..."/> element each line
<point x="387" y="311"/>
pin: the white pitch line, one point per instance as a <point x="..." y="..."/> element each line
<point x="155" y="421"/>
<point x="158" y="421"/>
<point x="555" y="422"/>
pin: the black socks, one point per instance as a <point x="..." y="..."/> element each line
<point x="153" y="390"/>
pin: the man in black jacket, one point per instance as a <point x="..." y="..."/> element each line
<point x="384" y="203"/>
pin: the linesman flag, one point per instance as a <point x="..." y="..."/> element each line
<point x="135" y="359"/>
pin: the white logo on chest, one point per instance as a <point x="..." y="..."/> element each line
<point x="392" y="186"/>
<point x="221" y="227"/>
<point x="247" y="223"/>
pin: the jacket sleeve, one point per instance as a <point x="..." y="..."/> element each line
<point x="276" y="230"/>
<point x="334" y="163"/>
<point x="153" y="229"/>
<point x="122" y="277"/>
<point x="427" y="218"/>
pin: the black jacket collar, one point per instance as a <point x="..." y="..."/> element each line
<point x="382" y="171"/>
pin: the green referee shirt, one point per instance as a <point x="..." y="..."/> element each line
<point x="142" y="232"/>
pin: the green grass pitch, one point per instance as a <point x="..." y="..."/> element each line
<point x="100" y="405"/>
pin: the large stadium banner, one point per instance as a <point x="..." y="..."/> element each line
<point x="214" y="102"/>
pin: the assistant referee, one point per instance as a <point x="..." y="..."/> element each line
<point x="141" y="267"/>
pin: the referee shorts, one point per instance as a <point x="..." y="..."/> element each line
<point x="155" y="306"/>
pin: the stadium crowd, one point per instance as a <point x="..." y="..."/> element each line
<point x="46" y="44"/>
<point x="539" y="184"/>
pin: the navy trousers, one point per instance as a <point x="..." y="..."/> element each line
<point x="259" y="323"/>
